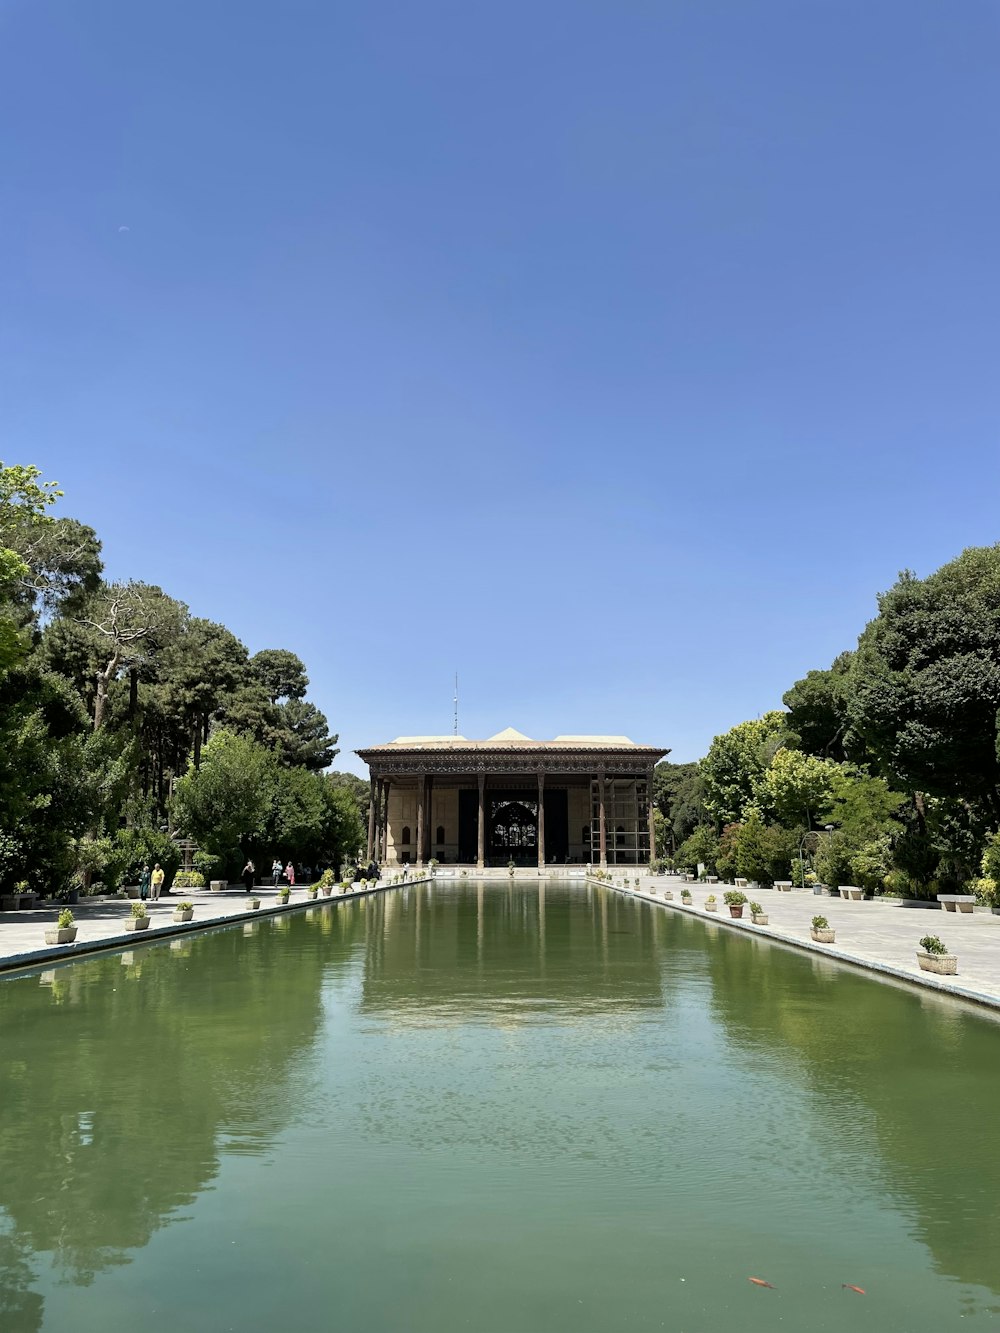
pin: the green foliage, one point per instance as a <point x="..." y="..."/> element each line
<point x="833" y="858"/>
<point x="871" y="863"/>
<point x="933" y="944"/>
<point x="138" y="910"/>
<point x="762" y="853"/>
<point x="226" y="804"/>
<point x="734" y="768"/>
<point x="189" y="879"/>
<point x="701" y="848"/>
<point x="734" y="898"/>
<point x="925" y="691"/>
<point x="818" y="721"/>
<point x="756" y="909"/>
<point x="799" y="787"/>
<point x="65" y="919"/>
<point x="678" y="795"/>
<point x="820" y="923"/>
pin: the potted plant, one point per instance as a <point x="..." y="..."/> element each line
<point x="668" y="893"/>
<point x="511" y="867"/>
<point x="821" y="930"/>
<point x="686" y="896"/>
<point x="757" y="914"/>
<point x="935" y="957"/>
<point x="139" y="920"/>
<point x="325" y="883"/>
<point x="711" y="903"/>
<point x="734" y="900"/>
<point x="64" y="931"/>
<point x="184" y="912"/>
<point x="254" y="904"/>
<point x="433" y="864"/>
<point x="283" y="892"/>
<point x="344" y="885"/>
<point x="194" y="879"/>
<point x="312" y="891"/>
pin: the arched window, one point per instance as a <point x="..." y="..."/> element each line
<point x="406" y="835"/>
<point x="440" y="835"/>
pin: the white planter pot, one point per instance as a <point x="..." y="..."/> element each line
<point x="56" y="936"/>
<point x="946" y="964"/>
<point x="138" y="922"/>
<point x="823" y="936"/>
<point x="711" y="907"/>
<point x="759" y="920"/>
<point x="186" y="915"/>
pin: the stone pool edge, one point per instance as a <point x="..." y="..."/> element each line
<point x="924" y="981"/>
<point x="30" y="960"/>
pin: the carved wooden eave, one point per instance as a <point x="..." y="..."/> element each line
<point x="470" y="758"/>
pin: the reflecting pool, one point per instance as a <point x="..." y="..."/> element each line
<point x="492" y="1108"/>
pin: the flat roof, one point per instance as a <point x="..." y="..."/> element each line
<point x="508" y="739"/>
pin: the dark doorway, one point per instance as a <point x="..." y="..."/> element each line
<point x="468" y="827"/>
<point x="556" y="827"/>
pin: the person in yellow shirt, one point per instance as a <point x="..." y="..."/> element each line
<point x="156" y="881"/>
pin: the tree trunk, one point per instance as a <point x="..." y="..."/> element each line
<point x="133" y="693"/>
<point x="100" y="699"/>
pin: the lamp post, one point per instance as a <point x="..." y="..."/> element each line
<point x="827" y="828"/>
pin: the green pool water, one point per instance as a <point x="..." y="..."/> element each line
<point x="492" y="1108"/>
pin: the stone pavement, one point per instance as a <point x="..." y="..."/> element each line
<point x="101" y="922"/>
<point x="874" y="935"/>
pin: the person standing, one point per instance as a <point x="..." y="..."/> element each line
<point x="290" y="875"/>
<point x="156" y="881"/>
<point x="144" y="884"/>
<point x="276" y="871"/>
<point x="249" y="875"/>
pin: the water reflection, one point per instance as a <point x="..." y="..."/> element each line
<point x="496" y="1054"/>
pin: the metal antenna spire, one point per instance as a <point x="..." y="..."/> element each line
<point x="456" y="703"/>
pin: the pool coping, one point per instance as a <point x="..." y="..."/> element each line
<point x="32" y="959"/>
<point x="923" y="981"/>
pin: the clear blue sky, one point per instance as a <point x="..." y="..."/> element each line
<point x="613" y="354"/>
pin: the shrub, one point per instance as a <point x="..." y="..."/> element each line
<point x="701" y="848"/>
<point x="756" y="909"/>
<point x="734" y="898"/>
<point x="185" y="907"/>
<point x="325" y="880"/>
<point x="65" y="921"/>
<point x="139" y="910"/>
<point x="710" y="898"/>
<point x="933" y="944"/>
<point x="189" y="879"/>
<point x="820" y="923"/>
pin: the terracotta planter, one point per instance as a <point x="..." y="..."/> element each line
<point x="138" y="923"/>
<point x="327" y="890"/>
<point x="760" y="919"/>
<point x="945" y="964"/>
<point x="823" y="936"/>
<point x="56" y="936"/>
<point x="736" y="911"/>
<point x="185" y="914"/>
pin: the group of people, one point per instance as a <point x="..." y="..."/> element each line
<point x="277" y="872"/>
<point x="151" y="882"/>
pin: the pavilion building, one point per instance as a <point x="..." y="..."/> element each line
<point x="573" y="800"/>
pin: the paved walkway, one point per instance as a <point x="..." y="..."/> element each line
<point x="101" y="922"/>
<point x="872" y="934"/>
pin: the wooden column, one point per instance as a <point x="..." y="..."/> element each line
<point x="604" y="822"/>
<point x="427" y="851"/>
<point x="481" y="827"/>
<point x="372" y="803"/>
<point x="541" y="819"/>
<point x="384" y="813"/>
<point x="421" y="802"/>
<point x="651" y="810"/>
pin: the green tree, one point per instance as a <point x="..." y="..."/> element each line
<point x="925" y="684"/>
<point x="701" y="848"/>
<point x="227" y="805"/>
<point x="818" y="720"/>
<point x="799" y="787"/>
<point x="734" y="768"/>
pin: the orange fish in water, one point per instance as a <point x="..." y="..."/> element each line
<point x="759" y="1282"/>
<point x="849" y="1286"/>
